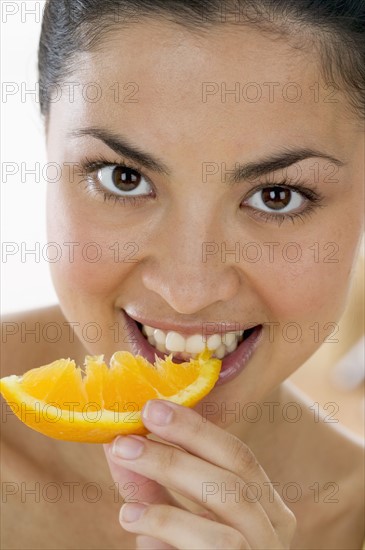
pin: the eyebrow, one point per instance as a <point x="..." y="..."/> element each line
<point x="124" y="148"/>
<point x="270" y="163"/>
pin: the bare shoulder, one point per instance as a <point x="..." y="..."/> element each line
<point x="331" y="476"/>
<point x="324" y="427"/>
<point x="327" y="451"/>
<point x="33" y="338"/>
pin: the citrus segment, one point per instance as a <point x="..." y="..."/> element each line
<point x="56" y="381"/>
<point x="95" y="381"/>
<point x="96" y="403"/>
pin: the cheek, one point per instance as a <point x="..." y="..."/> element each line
<point x="298" y="290"/>
<point x="309" y="279"/>
<point x="94" y="261"/>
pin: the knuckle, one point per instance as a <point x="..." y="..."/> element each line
<point x="168" y="458"/>
<point x="242" y="455"/>
<point x="232" y="485"/>
<point x="157" y="516"/>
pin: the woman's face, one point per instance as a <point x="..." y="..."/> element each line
<point x="190" y="248"/>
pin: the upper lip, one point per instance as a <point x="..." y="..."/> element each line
<point x="202" y="327"/>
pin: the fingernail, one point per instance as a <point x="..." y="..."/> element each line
<point x="132" y="511"/>
<point x="127" y="447"/>
<point x="157" y="412"/>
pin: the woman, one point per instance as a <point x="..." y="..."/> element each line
<point x="211" y="157"/>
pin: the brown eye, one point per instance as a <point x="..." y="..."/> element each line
<point x="276" y="199"/>
<point x="123" y="181"/>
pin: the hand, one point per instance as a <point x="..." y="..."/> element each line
<point x="211" y="469"/>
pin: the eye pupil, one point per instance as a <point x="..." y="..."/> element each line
<point x="126" y="179"/>
<point x="276" y="197"/>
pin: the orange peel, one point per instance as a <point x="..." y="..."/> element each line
<point x="97" y="403"/>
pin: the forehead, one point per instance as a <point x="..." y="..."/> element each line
<point x="234" y="85"/>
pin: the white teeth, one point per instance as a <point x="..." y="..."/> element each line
<point x="159" y="336"/>
<point x="149" y="330"/>
<point x="160" y="347"/>
<point x="172" y="341"/>
<point x="229" y="338"/>
<point x="214" y="341"/>
<point x="195" y="344"/>
<point x="232" y="346"/>
<point x="175" y="342"/>
<point x="220" y="352"/>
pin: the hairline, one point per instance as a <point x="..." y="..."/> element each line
<point x="291" y="31"/>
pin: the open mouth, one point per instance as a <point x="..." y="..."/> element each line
<point x="234" y="348"/>
<point x="185" y="348"/>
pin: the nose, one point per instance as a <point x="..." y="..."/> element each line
<point x="188" y="271"/>
<point x="189" y="288"/>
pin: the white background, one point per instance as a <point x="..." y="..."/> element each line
<point x="25" y="282"/>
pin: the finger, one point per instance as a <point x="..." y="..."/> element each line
<point x="144" y="542"/>
<point x="187" y="474"/>
<point x="180" y="528"/>
<point x="136" y="487"/>
<point x="133" y="486"/>
<point x="204" y="439"/>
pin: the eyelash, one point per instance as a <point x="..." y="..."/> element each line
<point x="89" y="166"/>
<point x="314" y="201"/>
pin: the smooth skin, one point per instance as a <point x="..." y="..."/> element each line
<point x="169" y="282"/>
<point x="240" y="523"/>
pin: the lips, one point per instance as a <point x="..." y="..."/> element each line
<point x="232" y="364"/>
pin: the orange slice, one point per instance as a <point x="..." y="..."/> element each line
<point x="96" y="404"/>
